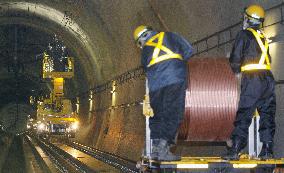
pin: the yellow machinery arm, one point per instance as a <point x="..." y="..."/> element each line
<point x="58" y="84"/>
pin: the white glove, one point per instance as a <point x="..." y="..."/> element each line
<point x="238" y="76"/>
<point x="239" y="80"/>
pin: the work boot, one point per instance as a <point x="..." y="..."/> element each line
<point x="233" y="152"/>
<point x="164" y="153"/>
<point x="266" y="151"/>
<point x="155" y="149"/>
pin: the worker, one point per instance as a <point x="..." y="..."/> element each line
<point x="250" y="61"/>
<point x="164" y="58"/>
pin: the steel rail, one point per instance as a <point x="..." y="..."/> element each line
<point x="81" y="167"/>
<point x="37" y="155"/>
<point x="53" y="157"/>
<point x="123" y="164"/>
<point x="62" y="159"/>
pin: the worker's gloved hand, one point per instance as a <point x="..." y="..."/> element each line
<point x="238" y="76"/>
<point x="239" y="80"/>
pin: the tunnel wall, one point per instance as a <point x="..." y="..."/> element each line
<point x="119" y="128"/>
<point x="276" y="50"/>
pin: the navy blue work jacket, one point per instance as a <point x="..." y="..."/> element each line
<point x="170" y="71"/>
<point x="245" y="51"/>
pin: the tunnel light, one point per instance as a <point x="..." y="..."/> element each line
<point x="28" y="126"/>
<point x="41" y="126"/>
<point x="244" y="165"/>
<point x="77" y="105"/>
<point x="91" y="95"/>
<point x="192" y="166"/>
<point x="113" y="90"/>
<point x="91" y="101"/>
<point x="91" y="105"/>
<point x="75" y="125"/>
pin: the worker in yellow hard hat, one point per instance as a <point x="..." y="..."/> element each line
<point x="164" y="58"/>
<point x="250" y="58"/>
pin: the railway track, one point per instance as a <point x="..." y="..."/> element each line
<point x="123" y="164"/>
<point x="66" y="162"/>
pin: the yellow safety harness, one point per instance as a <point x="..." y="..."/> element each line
<point x="264" y="55"/>
<point x="158" y="47"/>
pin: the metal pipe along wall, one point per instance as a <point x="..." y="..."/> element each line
<point x="211" y="101"/>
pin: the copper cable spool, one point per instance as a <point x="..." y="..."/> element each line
<point x="211" y="101"/>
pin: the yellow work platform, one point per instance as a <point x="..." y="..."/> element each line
<point x="58" y="74"/>
<point x="212" y="164"/>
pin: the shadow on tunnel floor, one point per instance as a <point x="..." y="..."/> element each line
<point x="15" y="160"/>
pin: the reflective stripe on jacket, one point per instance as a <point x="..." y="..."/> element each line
<point x="263" y="63"/>
<point x="246" y="50"/>
<point x="170" y="71"/>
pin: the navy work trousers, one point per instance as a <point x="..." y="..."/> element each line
<point x="168" y="104"/>
<point x="257" y="92"/>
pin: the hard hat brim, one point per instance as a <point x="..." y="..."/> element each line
<point x="260" y="19"/>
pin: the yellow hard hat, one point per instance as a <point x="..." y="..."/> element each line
<point x="256" y="12"/>
<point x="139" y="31"/>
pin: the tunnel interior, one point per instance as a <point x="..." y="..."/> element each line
<point x="26" y="35"/>
<point x="21" y="71"/>
<point x="109" y="84"/>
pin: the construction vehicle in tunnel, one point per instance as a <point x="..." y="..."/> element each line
<point x="55" y="115"/>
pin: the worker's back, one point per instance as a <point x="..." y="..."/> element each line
<point x="170" y="71"/>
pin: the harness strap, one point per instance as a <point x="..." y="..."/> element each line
<point x="264" y="56"/>
<point x="158" y="47"/>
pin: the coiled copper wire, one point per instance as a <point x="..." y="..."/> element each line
<point x="211" y="101"/>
